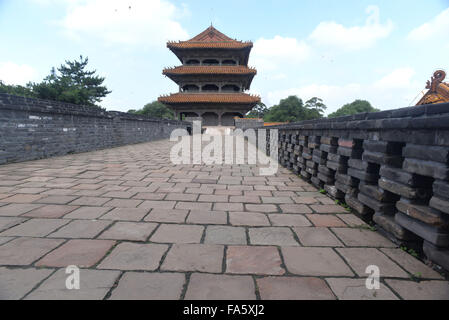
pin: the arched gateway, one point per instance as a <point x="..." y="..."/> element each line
<point x="213" y="78"/>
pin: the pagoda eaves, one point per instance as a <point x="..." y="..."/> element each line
<point x="222" y="74"/>
<point x="210" y="70"/>
<point x="231" y="98"/>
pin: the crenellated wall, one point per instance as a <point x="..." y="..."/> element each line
<point x="33" y="129"/>
<point x="390" y="166"/>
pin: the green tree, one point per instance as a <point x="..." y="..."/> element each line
<point x="316" y="107"/>
<point x="72" y="83"/>
<point x="292" y="109"/>
<point x="155" y="109"/>
<point x="358" y="106"/>
<point x="258" y="111"/>
<point x="17" y="90"/>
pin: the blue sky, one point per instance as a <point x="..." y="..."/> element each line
<point x="382" y="51"/>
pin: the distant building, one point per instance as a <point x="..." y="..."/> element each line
<point x="438" y="90"/>
<point x="212" y="80"/>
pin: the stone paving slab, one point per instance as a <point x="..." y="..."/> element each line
<point x="133" y="256"/>
<point x="13" y="209"/>
<point x="24" y="251"/>
<point x="207" y="217"/>
<point x="360" y="258"/>
<point x="278" y="236"/>
<point x="355" y="289"/>
<point x="317" y="237"/>
<point x="94" y="285"/>
<point x="424" y="290"/>
<point x="248" y="219"/>
<point x="220" y="287"/>
<point x="131" y="231"/>
<point x="225" y="235"/>
<point x="50" y="211"/>
<point x="84" y="229"/>
<point x="8" y="222"/>
<point x="16" y="283"/>
<point x="165" y="215"/>
<point x="125" y="214"/>
<point x="314" y="262"/>
<point x="87" y="212"/>
<point x="35" y="227"/>
<point x="142" y="228"/>
<point x="194" y="257"/>
<point x="149" y="286"/>
<point x="290" y="220"/>
<point x="411" y="264"/>
<point x="294" y="288"/>
<point x="254" y="260"/>
<point x="81" y="253"/>
<point x="356" y="237"/>
<point x="5" y="239"/>
<point x="174" y="233"/>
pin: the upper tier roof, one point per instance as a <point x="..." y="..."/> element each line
<point x="210" y="38"/>
<point x="217" y="98"/>
<point x="211" y="34"/>
<point x="241" y="70"/>
<point x="206" y="73"/>
<point x="438" y="90"/>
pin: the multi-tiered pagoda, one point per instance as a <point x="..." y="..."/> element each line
<point x="212" y="80"/>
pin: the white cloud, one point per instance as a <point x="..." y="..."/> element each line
<point x="148" y="22"/>
<point x="56" y="2"/>
<point x="15" y="74"/>
<point x="396" y="89"/>
<point x="332" y="34"/>
<point x="279" y="76"/>
<point x="399" y="78"/>
<point x="270" y="54"/>
<point x="437" y="27"/>
<point x="43" y="2"/>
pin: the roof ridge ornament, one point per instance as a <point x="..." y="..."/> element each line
<point x="438" y="91"/>
<point x="436" y="79"/>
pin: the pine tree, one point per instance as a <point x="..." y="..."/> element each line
<point x="72" y="83"/>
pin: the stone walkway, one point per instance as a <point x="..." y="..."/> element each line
<point x="142" y="228"/>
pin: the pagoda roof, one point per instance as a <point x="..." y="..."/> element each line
<point x="199" y="70"/>
<point x="438" y="90"/>
<point x="211" y="34"/>
<point x="210" y="38"/>
<point x="218" y="98"/>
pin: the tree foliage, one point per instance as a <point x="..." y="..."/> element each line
<point x="69" y="83"/>
<point x="358" y="106"/>
<point x="72" y="83"/>
<point x="155" y="109"/>
<point x="316" y="105"/>
<point x="16" y="90"/>
<point x="258" y="111"/>
<point x="293" y="109"/>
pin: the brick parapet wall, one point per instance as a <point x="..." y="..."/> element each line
<point x="245" y="123"/>
<point x="33" y="128"/>
<point x="390" y="166"/>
